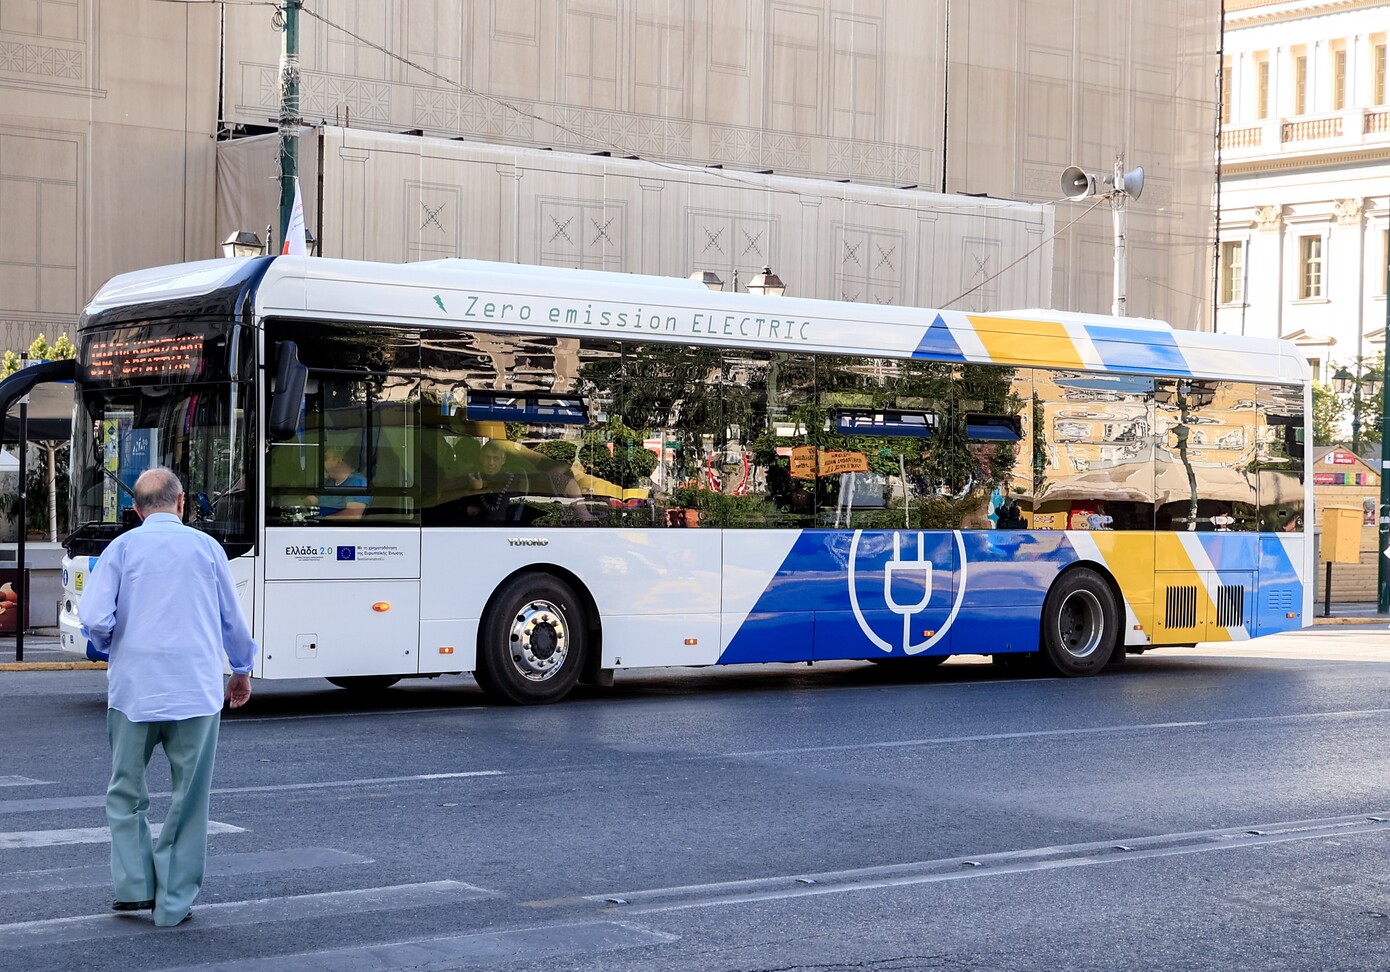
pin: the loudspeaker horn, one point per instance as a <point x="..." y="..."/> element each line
<point x="1077" y="183"/>
<point x="1131" y="183"/>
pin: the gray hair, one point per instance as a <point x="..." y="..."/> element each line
<point x="157" y="490"/>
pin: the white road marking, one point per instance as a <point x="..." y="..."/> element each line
<point x="1044" y="733"/>
<point x="481" y="948"/>
<point x="21" y="781"/>
<point x="85" y="835"/>
<point x="724" y="893"/>
<point x="42" y="804"/>
<point x="330" y="904"/>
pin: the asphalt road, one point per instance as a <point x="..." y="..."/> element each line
<point x="1200" y="809"/>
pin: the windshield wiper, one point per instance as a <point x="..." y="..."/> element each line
<point x="117" y="480"/>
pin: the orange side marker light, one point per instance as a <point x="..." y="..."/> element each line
<point x="446" y="649"/>
<point x="381" y="606"/>
<point x="692" y="641"/>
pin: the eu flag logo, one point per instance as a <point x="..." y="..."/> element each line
<point x="347" y="553"/>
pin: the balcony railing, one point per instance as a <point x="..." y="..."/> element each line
<point x="1377" y="121"/>
<point x="1312" y="128"/>
<point x="1238" y="138"/>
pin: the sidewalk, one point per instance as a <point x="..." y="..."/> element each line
<point x="41" y="654"/>
<point x="1350" y="612"/>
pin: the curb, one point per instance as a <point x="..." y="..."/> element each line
<point x="52" y="666"/>
<point x="1376" y="620"/>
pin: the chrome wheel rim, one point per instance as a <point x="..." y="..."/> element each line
<point x="1080" y="624"/>
<point x="538" y="640"/>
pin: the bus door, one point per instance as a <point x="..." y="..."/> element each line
<point x="342" y="565"/>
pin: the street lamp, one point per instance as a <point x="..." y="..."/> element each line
<point x="764" y="282"/>
<point x="767" y="283"/>
<point x="1361" y="387"/>
<point x="242" y="243"/>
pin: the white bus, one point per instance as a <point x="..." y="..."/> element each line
<point x="542" y="476"/>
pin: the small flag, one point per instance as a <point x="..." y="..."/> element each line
<point x="294" y="233"/>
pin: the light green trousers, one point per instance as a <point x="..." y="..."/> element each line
<point x="168" y="870"/>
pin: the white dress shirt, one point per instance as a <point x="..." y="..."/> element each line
<point x="161" y="600"/>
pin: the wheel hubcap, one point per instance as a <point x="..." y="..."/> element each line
<point x="1081" y="624"/>
<point x="539" y="640"/>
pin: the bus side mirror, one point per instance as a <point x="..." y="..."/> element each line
<point x="287" y="395"/>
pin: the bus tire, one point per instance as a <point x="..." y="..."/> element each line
<point x="532" y="642"/>
<point x="364" y="684"/>
<point x="1080" y="623"/>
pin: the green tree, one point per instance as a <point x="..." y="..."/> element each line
<point x="1328" y="411"/>
<point x="39" y="350"/>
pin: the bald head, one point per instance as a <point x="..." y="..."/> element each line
<point x="158" y="491"/>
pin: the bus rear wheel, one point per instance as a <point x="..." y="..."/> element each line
<point x="364" y="684"/>
<point x="1080" y="623"/>
<point x="533" y="640"/>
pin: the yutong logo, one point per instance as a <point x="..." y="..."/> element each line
<point x="528" y="541"/>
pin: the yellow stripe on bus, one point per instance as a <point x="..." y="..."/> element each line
<point x="1174" y="567"/>
<point x="1130" y="558"/>
<point x="1024" y="342"/>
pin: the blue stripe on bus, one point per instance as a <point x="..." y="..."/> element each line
<point x="807" y="613"/>
<point x="1154" y="351"/>
<point x="1280" y="590"/>
<point x="939" y="343"/>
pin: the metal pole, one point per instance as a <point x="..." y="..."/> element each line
<point x="52" y="491"/>
<point x="1356" y="412"/>
<point x="1383" y="561"/>
<point x="1327" y="593"/>
<point x="22" y="605"/>
<point x="289" y="111"/>
<point x="1118" y="199"/>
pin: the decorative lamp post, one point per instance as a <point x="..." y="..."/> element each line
<point x="242" y="243"/>
<point x="765" y="282"/>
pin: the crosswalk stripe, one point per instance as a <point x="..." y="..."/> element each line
<point x="85" y="835"/>
<point x="88" y="801"/>
<point x="328" y="904"/>
<point x="222" y="865"/>
<point x="511" y="946"/>
<point x="21" y="781"/>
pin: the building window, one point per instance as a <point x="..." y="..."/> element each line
<point x="1315" y="365"/>
<point x="1300" y="84"/>
<point x="1232" y="273"/>
<point x="1310" y="267"/>
<point x="1378" y="69"/>
<point x="1226" y="72"/>
<point x="1339" y="80"/>
<point x="1262" y="81"/>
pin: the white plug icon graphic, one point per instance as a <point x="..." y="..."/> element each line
<point x="900" y="566"/>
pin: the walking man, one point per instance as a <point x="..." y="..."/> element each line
<point x="161" y="600"/>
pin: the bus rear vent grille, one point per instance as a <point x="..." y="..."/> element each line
<point x="1182" y="607"/>
<point x="1230" y="605"/>
<point x="1280" y="599"/>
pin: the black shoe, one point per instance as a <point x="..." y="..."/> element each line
<point x="132" y="905"/>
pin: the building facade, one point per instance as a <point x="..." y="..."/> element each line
<point x="1304" y="234"/>
<point x="113" y="109"/>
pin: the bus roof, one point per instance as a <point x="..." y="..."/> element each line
<point x="548" y="300"/>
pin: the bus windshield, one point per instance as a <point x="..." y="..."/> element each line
<point x="198" y="431"/>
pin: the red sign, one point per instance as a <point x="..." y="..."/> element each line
<point x="1339" y="458"/>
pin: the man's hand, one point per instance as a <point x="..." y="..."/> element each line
<point x="238" y="690"/>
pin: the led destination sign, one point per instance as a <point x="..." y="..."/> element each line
<point x="165" y="356"/>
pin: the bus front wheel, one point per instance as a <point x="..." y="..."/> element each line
<point x="533" y="639"/>
<point x="1080" y="623"/>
